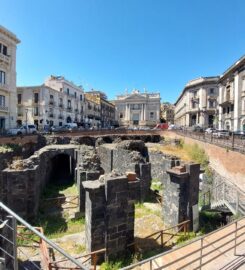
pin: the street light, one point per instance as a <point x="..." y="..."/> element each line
<point x="26" y="111"/>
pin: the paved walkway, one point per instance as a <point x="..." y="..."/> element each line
<point x="217" y="253"/>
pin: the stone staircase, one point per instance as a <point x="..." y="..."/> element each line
<point x="225" y="197"/>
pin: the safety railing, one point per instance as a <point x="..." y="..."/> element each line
<point x="171" y="232"/>
<point x="201" y="251"/>
<point x="66" y="202"/>
<point x="9" y="243"/>
<point x="226" y="194"/>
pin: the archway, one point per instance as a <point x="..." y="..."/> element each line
<point x="62" y="170"/>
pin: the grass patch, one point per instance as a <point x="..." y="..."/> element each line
<point x="141" y="210"/>
<point x="57" y="226"/>
<point x="53" y="190"/>
<point x="209" y="221"/>
<point x="156" y="185"/>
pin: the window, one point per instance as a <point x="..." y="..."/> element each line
<point x="69" y="104"/>
<point x="35" y="97"/>
<point x="2" y="101"/>
<point x="2" y="77"/>
<point x="243" y="84"/>
<point x="4" y="50"/>
<point x="35" y="111"/>
<point x="224" y="110"/>
<point x="211" y="91"/>
<point x="211" y="104"/>
<point x="81" y="97"/>
<point x="232" y="107"/>
<point x="19" y="98"/>
<point x="121" y="115"/>
<point x="151" y="115"/>
<point x="228" y="109"/>
<point x="75" y="94"/>
<point x="51" y="97"/>
<point x="61" y="89"/>
<point x="68" y="91"/>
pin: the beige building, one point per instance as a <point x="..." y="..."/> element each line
<point x="56" y="102"/>
<point x="92" y="112"/>
<point x="232" y="97"/>
<point x="167" y="112"/>
<point x="107" y="109"/>
<point x="198" y="103"/>
<point x="139" y="109"/>
<point x="8" y="42"/>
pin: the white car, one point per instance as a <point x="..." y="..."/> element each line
<point x="210" y="130"/>
<point x="22" y="130"/>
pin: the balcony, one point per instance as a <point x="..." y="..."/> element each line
<point x="69" y="109"/>
<point x="4" y="87"/>
<point x="227" y="100"/>
<point x="195" y="99"/>
<point x="51" y="115"/>
<point x="61" y="117"/>
<point x="61" y="105"/>
<point x="4" y="58"/>
<point x="51" y="102"/>
<point x="3" y="109"/>
<point x="20" y="114"/>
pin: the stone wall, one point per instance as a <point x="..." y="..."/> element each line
<point x="109" y="214"/>
<point x="180" y="194"/>
<point x="22" y="183"/>
<point x="128" y="156"/>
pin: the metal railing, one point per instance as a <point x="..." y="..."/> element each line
<point x="199" y="252"/>
<point x="225" y="194"/>
<point x="10" y="249"/>
<point x="232" y="142"/>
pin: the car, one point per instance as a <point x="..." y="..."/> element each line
<point x="222" y="133"/>
<point x="210" y="130"/>
<point x="239" y="133"/>
<point x="22" y="130"/>
<point x="197" y="128"/>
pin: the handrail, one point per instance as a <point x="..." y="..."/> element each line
<point x="43" y="237"/>
<point x="201" y="238"/>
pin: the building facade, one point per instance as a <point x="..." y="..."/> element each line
<point x="167" y="112"/>
<point x="56" y="102"/>
<point x="138" y="109"/>
<point x="232" y="97"/>
<point x="107" y="108"/>
<point x="198" y="103"/>
<point x="8" y="112"/>
<point x="92" y="112"/>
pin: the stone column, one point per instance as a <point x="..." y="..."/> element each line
<point x="220" y="108"/>
<point x="236" y="102"/>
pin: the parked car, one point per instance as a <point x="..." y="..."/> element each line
<point x="26" y="129"/>
<point x="197" y="128"/>
<point x="210" y="130"/>
<point x="240" y="133"/>
<point x="221" y="134"/>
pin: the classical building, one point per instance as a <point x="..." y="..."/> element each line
<point x="56" y="102"/>
<point x="8" y="42"/>
<point x="137" y="108"/>
<point x="198" y="103"/>
<point x="232" y="97"/>
<point x="167" y="112"/>
<point x="107" y="109"/>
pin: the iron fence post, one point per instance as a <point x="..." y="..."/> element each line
<point x="14" y="224"/>
<point x="235" y="238"/>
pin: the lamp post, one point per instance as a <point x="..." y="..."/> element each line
<point x="26" y="111"/>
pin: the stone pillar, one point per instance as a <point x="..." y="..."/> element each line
<point x="236" y="102"/>
<point x="110" y="214"/>
<point x="181" y="194"/>
<point x="145" y="180"/>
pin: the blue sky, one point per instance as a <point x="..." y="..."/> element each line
<point x="112" y="45"/>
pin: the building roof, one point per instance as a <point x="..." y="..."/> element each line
<point x="233" y="68"/>
<point x="9" y="34"/>
<point x="197" y="82"/>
